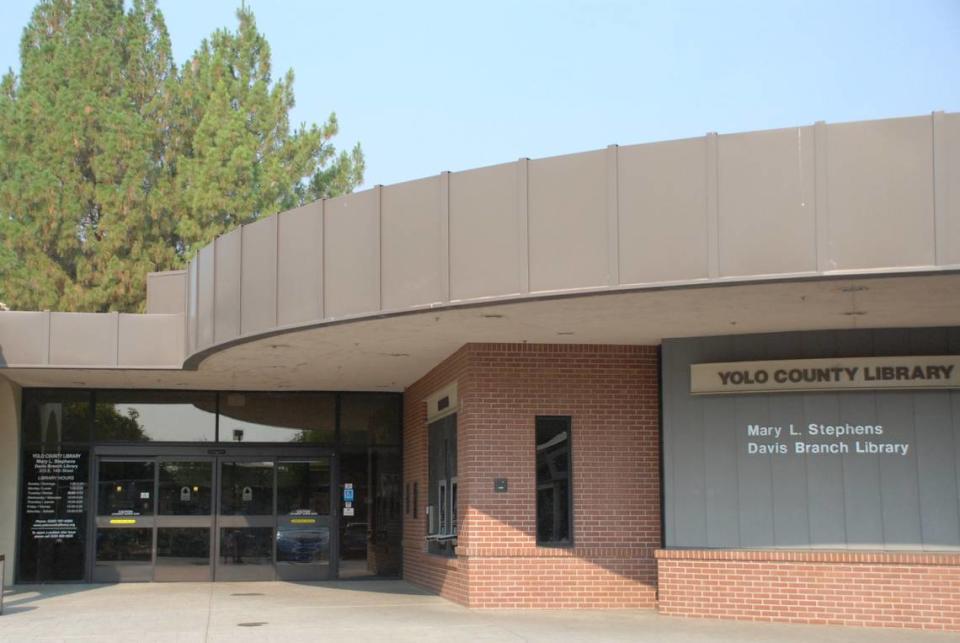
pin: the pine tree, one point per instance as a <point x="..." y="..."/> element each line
<point x="114" y="163"/>
<point x="238" y="153"/>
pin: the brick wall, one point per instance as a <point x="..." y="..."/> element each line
<point x="915" y="590"/>
<point x="611" y="394"/>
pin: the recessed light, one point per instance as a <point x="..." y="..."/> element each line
<point x="854" y="289"/>
<point x="492" y="316"/>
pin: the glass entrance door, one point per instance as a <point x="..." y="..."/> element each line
<point x="246" y="520"/>
<point x="186" y="518"/>
<point x="304" y="507"/>
<point x="125" y="521"/>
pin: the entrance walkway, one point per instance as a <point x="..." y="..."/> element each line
<point x="354" y="612"/>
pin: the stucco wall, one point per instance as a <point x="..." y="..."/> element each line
<point x="9" y="470"/>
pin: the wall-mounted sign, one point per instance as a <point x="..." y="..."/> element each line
<point x="844" y="373"/>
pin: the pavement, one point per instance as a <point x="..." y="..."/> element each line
<point x="357" y="611"/>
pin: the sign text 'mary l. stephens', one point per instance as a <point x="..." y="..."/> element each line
<point x="900" y="372"/>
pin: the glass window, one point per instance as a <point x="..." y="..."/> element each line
<point x="278" y="417"/>
<point x="442" y="470"/>
<point x="155" y="416"/>
<point x="52" y="417"/>
<point x="553" y="481"/>
<point x="297" y="544"/>
<point x="183" y="546"/>
<point x="246" y="545"/>
<point x="370" y="418"/>
<point x="125" y="545"/>
<point x="303" y="488"/>
<point x="185" y="488"/>
<point x="246" y="488"/>
<point x="371" y="521"/>
<point x="125" y="488"/>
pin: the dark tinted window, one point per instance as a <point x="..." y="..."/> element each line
<point x="369" y="418"/>
<point x="442" y="476"/>
<point x="278" y="417"/>
<point x="52" y="417"/>
<point x="155" y="416"/>
<point x="554" y="524"/>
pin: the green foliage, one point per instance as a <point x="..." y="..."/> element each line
<point x="114" y="162"/>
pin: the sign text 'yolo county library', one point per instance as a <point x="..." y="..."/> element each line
<point x="932" y="372"/>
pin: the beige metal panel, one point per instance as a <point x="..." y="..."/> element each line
<point x="190" y="321"/>
<point x="663" y="211"/>
<point x="258" y="288"/>
<point x="950" y="230"/>
<point x="83" y="339"/>
<point x="568" y="221"/>
<point x="150" y="341"/>
<point x="485" y="250"/>
<point x="228" y="252"/>
<point x="9" y="473"/>
<point x="23" y="338"/>
<point x="410" y="243"/>
<point x="351" y="252"/>
<point x="206" y="271"/>
<point x="766" y="198"/>
<point x="880" y="194"/>
<point x="166" y="292"/>
<point x="300" y="264"/>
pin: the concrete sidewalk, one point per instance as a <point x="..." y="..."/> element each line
<point x="355" y="611"/>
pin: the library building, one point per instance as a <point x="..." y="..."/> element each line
<point x="716" y="377"/>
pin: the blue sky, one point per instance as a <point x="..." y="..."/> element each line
<point x="432" y="86"/>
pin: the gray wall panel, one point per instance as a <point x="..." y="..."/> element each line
<point x="936" y="453"/>
<point x="722" y="483"/>
<point x="755" y="476"/>
<point x="790" y="510"/>
<point x="719" y="495"/>
<point x="898" y="479"/>
<point x="825" y="496"/>
<point x="689" y="517"/>
<point x="861" y="478"/>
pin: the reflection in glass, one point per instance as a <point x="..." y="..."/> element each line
<point x="303" y="544"/>
<point x="125" y="545"/>
<point x="553" y="480"/>
<point x="51" y="417"/>
<point x="370" y="539"/>
<point x="185" y="488"/>
<point x="303" y="488"/>
<point x="278" y="417"/>
<point x="246" y="545"/>
<point x="155" y="416"/>
<point x="125" y="489"/>
<point x="246" y="488"/>
<point x="370" y="418"/>
<point x="183" y="546"/>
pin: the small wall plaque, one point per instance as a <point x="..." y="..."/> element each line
<point x="500" y="485"/>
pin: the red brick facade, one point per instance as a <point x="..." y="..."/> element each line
<point x="611" y="395"/>
<point x="841" y="588"/>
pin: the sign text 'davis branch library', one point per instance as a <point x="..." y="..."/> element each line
<point x="923" y="372"/>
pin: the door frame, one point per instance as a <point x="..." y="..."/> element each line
<point x="216" y="453"/>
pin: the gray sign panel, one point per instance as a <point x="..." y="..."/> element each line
<point x="848" y="469"/>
